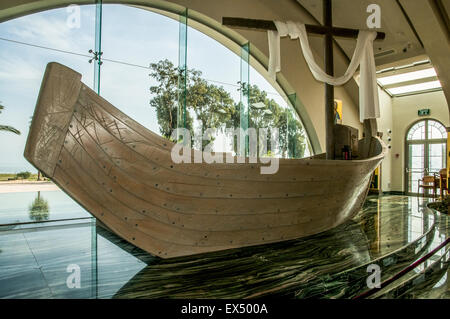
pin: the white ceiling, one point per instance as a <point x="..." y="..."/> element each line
<point x="400" y="37"/>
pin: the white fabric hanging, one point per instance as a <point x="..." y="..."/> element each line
<point x="363" y="55"/>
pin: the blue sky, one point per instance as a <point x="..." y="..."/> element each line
<point x="130" y="35"/>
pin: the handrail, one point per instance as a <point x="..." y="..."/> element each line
<point x="403" y="272"/>
<point x="45" y="221"/>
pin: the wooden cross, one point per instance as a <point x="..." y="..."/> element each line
<point x="328" y="31"/>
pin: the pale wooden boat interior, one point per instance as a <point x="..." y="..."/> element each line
<point x="123" y="174"/>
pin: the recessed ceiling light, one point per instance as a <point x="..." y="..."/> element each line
<point x="415" y="87"/>
<point x="398" y="78"/>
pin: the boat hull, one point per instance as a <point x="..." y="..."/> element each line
<point x="123" y="174"/>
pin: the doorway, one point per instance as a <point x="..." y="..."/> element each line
<point x="425" y="153"/>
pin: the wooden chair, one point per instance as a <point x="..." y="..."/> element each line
<point x="443" y="182"/>
<point x="427" y="182"/>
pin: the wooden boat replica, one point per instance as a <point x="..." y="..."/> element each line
<point x="123" y="174"/>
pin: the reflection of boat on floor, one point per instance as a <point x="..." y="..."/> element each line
<point x="296" y="268"/>
<point x="123" y="174"/>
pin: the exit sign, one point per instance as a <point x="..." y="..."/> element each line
<point x="423" y="112"/>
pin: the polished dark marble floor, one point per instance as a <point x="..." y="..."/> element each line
<point x="391" y="231"/>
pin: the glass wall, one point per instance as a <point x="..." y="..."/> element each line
<point x="135" y="58"/>
<point x="213" y="89"/>
<point x="27" y="44"/>
<point x="155" y="66"/>
<point x="136" y="54"/>
<point x="270" y="109"/>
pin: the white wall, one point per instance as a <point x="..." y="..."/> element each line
<point x="350" y="114"/>
<point x="404" y="113"/>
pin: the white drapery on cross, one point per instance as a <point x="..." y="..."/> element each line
<point x="363" y="56"/>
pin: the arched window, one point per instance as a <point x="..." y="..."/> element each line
<point x="143" y="52"/>
<point x="427" y="129"/>
<point x="425" y="151"/>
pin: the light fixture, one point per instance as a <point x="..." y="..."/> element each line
<point x="415" y="75"/>
<point x="415" y="87"/>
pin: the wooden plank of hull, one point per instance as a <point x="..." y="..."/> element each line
<point x="123" y="174"/>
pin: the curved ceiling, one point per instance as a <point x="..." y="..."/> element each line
<point x="413" y="29"/>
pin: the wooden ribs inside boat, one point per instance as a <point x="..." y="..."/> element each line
<point x="123" y="174"/>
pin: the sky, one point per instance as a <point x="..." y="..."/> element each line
<point x="130" y="35"/>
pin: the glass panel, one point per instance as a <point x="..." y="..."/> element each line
<point x="436" y="157"/>
<point x="38" y="263"/>
<point x="98" y="45"/>
<point x="436" y="130"/>
<point x="27" y="45"/>
<point x="213" y="89"/>
<point x="182" y="71"/>
<point x="417" y="132"/>
<point x="245" y="99"/>
<point x="111" y="251"/>
<point x="94" y="258"/>
<point x="24" y="207"/>
<point x="297" y="137"/>
<point x="298" y="144"/>
<point x="268" y="110"/>
<point x="139" y="70"/>
<point x="416" y="166"/>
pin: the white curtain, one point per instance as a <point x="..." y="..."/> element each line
<point x="363" y="56"/>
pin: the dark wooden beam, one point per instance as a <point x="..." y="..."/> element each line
<point x="264" y="25"/>
<point x="329" y="89"/>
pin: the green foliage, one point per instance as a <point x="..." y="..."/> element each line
<point x="292" y="139"/>
<point x="166" y="96"/>
<point x="214" y="107"/>
<point x="39" y="209"/>
<point x="211" y="104"/>
<point x="11" y="176"/>
<point x="296" y="139"/>
<point x="23" y="175"/>
<point x="6" y="127"/>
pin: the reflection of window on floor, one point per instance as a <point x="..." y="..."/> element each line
<point x="415" y="219"/>
<point x="442" y="281"/>
<point x="419" y="223"/>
